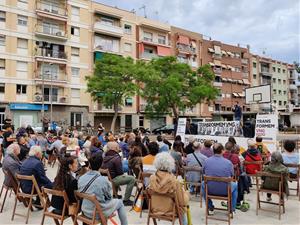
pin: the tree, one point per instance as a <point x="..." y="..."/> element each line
<point x="297" y="67"/>
<point x="171" y="87"/>
<point x="112" y="82"/>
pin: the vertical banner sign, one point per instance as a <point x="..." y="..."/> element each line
<point x="181" y="128"/>
<point x="267" y="128"/>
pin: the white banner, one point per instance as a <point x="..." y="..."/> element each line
<point x="181" y="128"/>
<point x="220" y="128"/>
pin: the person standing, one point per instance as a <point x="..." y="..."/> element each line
<point x="8" y="138"/>
<point x="45" y="122"/>
<point x="237" y="111"/>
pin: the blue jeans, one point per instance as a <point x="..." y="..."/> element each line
<point x="234" y="194"/>
<point x="122" y="213"/>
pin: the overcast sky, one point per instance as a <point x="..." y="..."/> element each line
<point x="270" y="26"/>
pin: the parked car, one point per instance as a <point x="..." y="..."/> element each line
<point x="142" y="130"/>
<point x="167" y="129"/>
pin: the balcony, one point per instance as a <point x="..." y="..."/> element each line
<point x="51" y="10"/>
<point x="217" y="56"/>
<point x="107" y="48"/>
<point x="56" y="99"/>
<point x="245" y="61"/>
<point x="193" y="64"/>
<point x="265" y="72"/>
<point x="48" y="79"/>
<point x="217" y="70"/>
<point x="293" y="87"/>
<point x="186" y="49"/>
<point x="142" y="107"/>
<point x="149" y="56"/>
<point x="101" y="108"/>
<point x="245" y="75"/>
<point x="155" y="42"/>
<point x="51" y="56"/>
<point x="51" y="31"/>
<point x="218" y="84"/>
<point x="108" y="29"/>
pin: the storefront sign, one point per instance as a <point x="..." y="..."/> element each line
<point x="25" y="106"/>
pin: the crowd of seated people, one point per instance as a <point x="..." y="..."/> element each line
<point x="81" y="158"/>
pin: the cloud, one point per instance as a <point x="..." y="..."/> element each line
<point x="270" y="26"/>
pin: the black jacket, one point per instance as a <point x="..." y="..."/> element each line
<point x="113" y="162"/>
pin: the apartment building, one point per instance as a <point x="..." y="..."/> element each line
<point x="232" y="75"/>
<point x="294" y="86"/>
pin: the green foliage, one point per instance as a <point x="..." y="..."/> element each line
<point x="297" y="67"/>
<point x="170" y="86"/>
<point x="112" y="80"/>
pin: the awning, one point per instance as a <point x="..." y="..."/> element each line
<point x="217" y="49"/>
<point x="246" y="81"/>
<point x="241" y="94"/>
<point x="217" y="63"/>
<point x="224" y="52"/>
<point x="229" y="79"/>
<point x="193" y="43"/>
<point x="240" y="82"/>
<point x="235" y="94"/>
<point x="212" y="64"/>
<point x="230" y="53"/>
<point x="163" y="51"/>
<point x="211" y="50"/>
<point x="224" y="79"/>
<point x="183" y="40"/>
<point x="224" y="66"/>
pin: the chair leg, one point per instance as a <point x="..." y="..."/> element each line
<point x="1" y="190"/>
<point x="154" y="221"/>
<point x="56" y="221"/>
<point x="14" y="210"/>
<point x="142" y="202"/>
<point x="200" y="193"/>
<point x="257" y="202"/>
<point x="4" y="199"/>
<point x="29" y="209"/>
<point x="43" y="219"/>
<point x="148" y="220"/>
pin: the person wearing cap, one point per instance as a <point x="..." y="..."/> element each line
<point x="113" y="162"/>
<point x="206" y="150"/>
<point x="252" y="155"/>
<point x="189" y="148"/>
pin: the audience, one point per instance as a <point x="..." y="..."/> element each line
<point x="164" y="182"/>
<point x="195" y="159"/>
<point x="233" y="157"/>
<point x="291" y="157"/>
<point x="34" y="166"/>
<point x="153" y="151"/>
<point x="261" y="147"/>
<point x="189" y="148"/>
<point x="252" y="155"/>
<point x="276" y="167"/>
<point x="206" y="150"/>
<point x="8" y="137"/>
<point x="87" y="145"/>
<point x="101" y="188"/>
<point x="176" y="153"/>
<point x="24" y="150"/>
<point x="65" y="181"/>
<point x="113" y="162"/>
<point x="218" y="166"/>
<point x="162" y="146"/>
<point x="165" y="140"/>
<point x="11" y="162"/>
<point x="138" y="142"/>
<point x="96" y="146"/>
<point x="135" y="160"/>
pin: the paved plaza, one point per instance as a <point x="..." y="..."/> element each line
<point x="292" y="215"/>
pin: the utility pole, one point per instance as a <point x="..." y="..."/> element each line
<point x="144" y="8"/>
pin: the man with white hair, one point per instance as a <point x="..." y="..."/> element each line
<point x="34" y="166"/>
<point x="11" y="162"/>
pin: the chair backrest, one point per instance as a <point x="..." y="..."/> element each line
<point x="258" y="163"/>
<point x="226" y="180"/>
<point x="46" y="192"/>
<point x="294" y="166"/>
<point x="265" y="175"/>
<point x="97" y="210"/>
<point x="187" y="169"/>
<point x="12" y="179"/>
<point x="34" y="188"/>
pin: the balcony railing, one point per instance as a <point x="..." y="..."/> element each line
<point x="47" y="98"/>
<point x="218" y="84"/>
<point x="217" y="56"/>
<point x="60" y="77"/>
<point x="47" y="29"/>
<point x="218" y="70"/>
<point x="51" y="7"/>
<point x="245" y="61"/>
<point x="106" y="48"/>
<point x="147" y="55"/>
<point x="99" y="26"/>
<point x="51" y="53"/>
<point x="186" y="48"/>
<point x="148" y="39"/>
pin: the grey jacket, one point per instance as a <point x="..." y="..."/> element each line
<point x="13" y="164"/>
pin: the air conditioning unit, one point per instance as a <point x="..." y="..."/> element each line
<point x="38" y="98"/>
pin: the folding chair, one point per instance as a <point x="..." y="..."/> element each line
<point x="7" y="188"/>
<point x="58" y="218"/>
<point x="105" y="172"/>
<point x="260" y="163"/>
<point x="227" y="198"/>
<point x="296" y="179"/>
<point x="35" y="192"/>
<point x="155" y="210"/>
<point x="196" y="169"/>
<point x="279" y="192"/>
<point x="97" y="211"/>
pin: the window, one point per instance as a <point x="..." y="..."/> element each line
<point x="149" y="50"/>
<point x="107" y="21"/>
<point x="2" y="64"/>
<point x="284" y="92"/>
<point x="22" y="43"/>
<point x="280" y="103"/>
<point x="162" y="39"/>
<point x="279" y="81"/>
<point x="275" y="101"/>
<point x="283" y="71"/>
<point x="2" y="87"/>
<point x="22" y="66"/>
<point x="74" y="51"/>
<point x="75" y="93"/>
<point x="284" y="81"/>
<point x="279" y="70"/>
<point x="22" y="20"/>
<point x="237" y="69"/>
<point x="128" y="102"/>
<point x="284" y="103"/>
<point x="21" y="89"/>
<point x="274" y="80"/>
<point x="23" y="1"/>
<point x="2" y="40"/>
<point x="75" y="31"/>
<point x="75" y="72"/>
<point x="254" y="65"/>
<point x="274" y="91"/>
<point x="127" y="29"/>
<point x="141" y="121"/>
<point x="2" y="16"/>
<point x="127" y="47"/>
<point x="75" y="11"/>
<point x="279" y="92"/>
<point x="274" y="69"/>
<point x="254" y="76"/>
<point x="148" y="36"/>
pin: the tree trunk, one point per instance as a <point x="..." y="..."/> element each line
<point x="175" y="113"/>
<point x="113" y="122"/>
